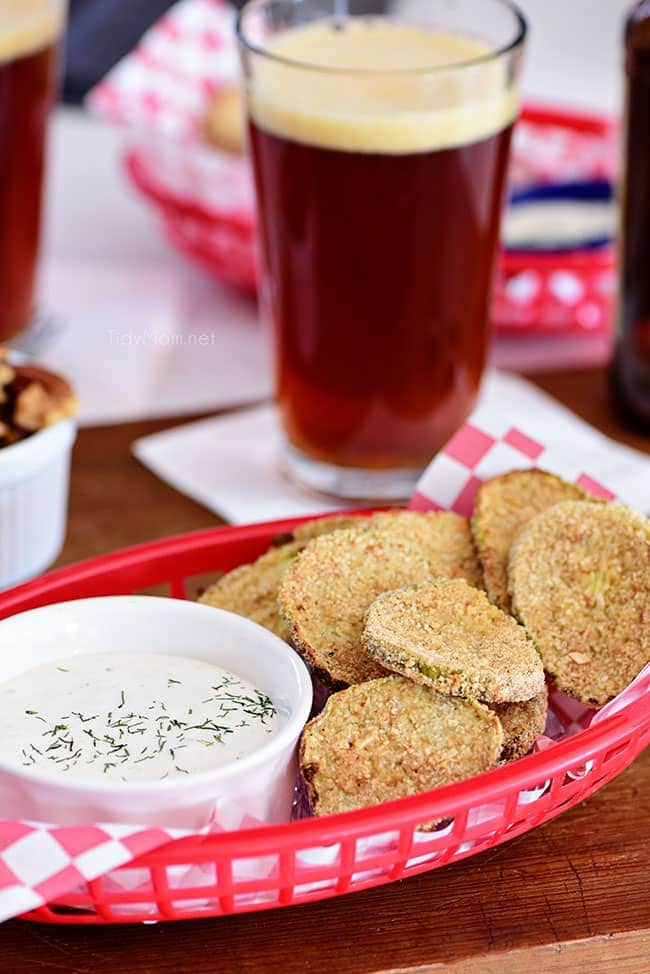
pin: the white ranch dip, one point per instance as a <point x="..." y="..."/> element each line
<point x="131" y="717"/>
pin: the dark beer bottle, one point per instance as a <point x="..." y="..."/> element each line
<point x="632" y="355"/>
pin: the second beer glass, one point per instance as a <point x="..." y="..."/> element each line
<point x="379" y="136"/>
<point x="30" y="33"/>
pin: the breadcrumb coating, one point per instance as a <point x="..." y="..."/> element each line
<point x="390" y="738"/>
<point x="252" y="590"/>
<point x="502" y="507"/>
<point x="325" y="595"/>
<point x="448" y="636"/>
<point x="579" y="578"/>
<point x="522" y="724"/>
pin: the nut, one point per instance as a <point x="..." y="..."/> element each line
<point x="30" y="399"/>
<point x="6" y="374"/>
<point x="31" y="407"/>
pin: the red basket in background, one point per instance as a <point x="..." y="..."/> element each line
<point x="303" y="861"/>
<point x="206" y="200"/>
<point x="555" y="293"/>
<point x="207" y="204"/>
<point x="221" y="249"/>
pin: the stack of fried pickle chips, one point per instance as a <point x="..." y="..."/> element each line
<point x="431" y="679"/>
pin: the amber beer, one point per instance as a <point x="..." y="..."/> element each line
<point x="29" y="36"/>
<point x="379" y="209"/>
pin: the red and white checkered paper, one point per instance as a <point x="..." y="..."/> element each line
<point x="516" y="427"/>
<point x="499" y="438"/>
<point x="165" y="82"/>
<point x="40" y="862"/>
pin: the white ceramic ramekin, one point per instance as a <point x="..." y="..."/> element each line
<point x="34" y="479"/>
<point x="258" y="785"/>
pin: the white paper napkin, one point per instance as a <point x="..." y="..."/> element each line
<point x="232" y="464"/>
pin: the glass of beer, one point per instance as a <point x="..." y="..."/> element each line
<point x="30" y="32"/>
<point x="379" y="133"/>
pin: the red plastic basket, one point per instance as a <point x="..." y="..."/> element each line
<point x="316" y="858"/>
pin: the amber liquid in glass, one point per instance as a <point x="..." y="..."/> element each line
<point x="378" y="244"/>
<point x="381" y="268"/>
<point x="27" y="85"/>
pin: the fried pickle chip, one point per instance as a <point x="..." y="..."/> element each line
<point x="503" y="506"/>
<point x="224" y="121"/>
<point x="447" y="635"/>
<point x="443" y="536"/>
<point x="252" y="590"/>
<point x="522" y="724"/>
<point x="446" y="535"/>
<point x="390" y="738"/>
<point x="579" y="578"/>
<point x="325" y="595"/>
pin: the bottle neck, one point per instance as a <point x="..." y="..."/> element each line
<point x="638" y="27"/>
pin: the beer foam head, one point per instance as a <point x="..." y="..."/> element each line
<point x="27" y="26"/>
<point x="374" y="85"/>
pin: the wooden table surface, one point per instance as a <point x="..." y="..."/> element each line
<point x="571" y="896"/>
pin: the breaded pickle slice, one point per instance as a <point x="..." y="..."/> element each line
<point x="503" y="506"/>
<point x="325" y="595"/>
<point x="390" y="738"/>
<point x="444" y="537"/>
<point x="580" y="582"/>
<point x="522" y="724"/>
<point x="447" y="635"/>
<point x="252" y="590"/>
<point x="325" y="525"/>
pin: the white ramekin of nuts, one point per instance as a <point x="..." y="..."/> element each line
<point x="37" y="431"/>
